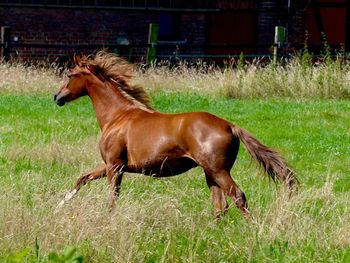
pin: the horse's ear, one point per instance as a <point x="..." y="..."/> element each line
<point x="76" y="59"/>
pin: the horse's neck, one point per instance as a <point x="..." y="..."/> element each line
<point x="108" y="102"/>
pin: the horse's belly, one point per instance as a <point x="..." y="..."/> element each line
<point x="163" y="168"/>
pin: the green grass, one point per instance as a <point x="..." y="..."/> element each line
<point x="44" y="148"/>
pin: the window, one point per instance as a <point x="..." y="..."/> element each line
<point x="168" y="27"/>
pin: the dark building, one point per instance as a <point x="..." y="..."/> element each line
<point x="190" y="29"/>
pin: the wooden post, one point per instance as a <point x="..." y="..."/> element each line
<point x="153" y="41"/>
<point x="280" y="36"/>
<point x="5" y="42"/>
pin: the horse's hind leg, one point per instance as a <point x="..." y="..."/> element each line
<point x="217" y="196"/>
<point x="225" y="181"/>
<point x="114" y="175"/>
<point x="97" y="173"/>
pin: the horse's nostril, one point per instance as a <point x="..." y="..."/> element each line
<point x="54" y="97"/>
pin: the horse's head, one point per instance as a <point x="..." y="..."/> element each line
<point x="76" y="86"/>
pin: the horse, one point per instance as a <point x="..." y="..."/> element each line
<point x="135" y="138"/>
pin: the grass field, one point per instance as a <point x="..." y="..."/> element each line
<point x="44" y="148"/>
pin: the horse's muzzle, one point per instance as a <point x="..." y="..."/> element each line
<point x="58" y="99"/>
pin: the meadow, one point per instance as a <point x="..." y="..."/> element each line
<point x="300" y="109"/>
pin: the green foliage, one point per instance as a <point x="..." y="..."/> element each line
<point x="306" y="57"/>
<point x="18" y="257"/>
<point x="326" y="51"/>
<point x="69" y="255"/>
<point x="37" y="250"/>
<point x="241" y="61"/>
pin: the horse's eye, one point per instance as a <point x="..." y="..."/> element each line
<point x="69" y="75"/>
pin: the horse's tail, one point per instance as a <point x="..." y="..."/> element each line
<point x="273" y="164"/>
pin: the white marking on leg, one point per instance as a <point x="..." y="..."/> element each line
<point x="70" y="195"/>
<point x="66" y="198"/>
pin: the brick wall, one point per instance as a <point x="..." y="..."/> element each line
<point x="275" y="13"/>
<point x="195" y="31"/>
<point x="267" y="20"/>
<point x="97" y="27"/>
<point x="70" y="26"/>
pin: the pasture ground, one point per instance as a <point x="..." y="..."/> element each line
<point x="44" y="148"/>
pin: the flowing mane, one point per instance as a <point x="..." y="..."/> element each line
<point x="118" y="71"/>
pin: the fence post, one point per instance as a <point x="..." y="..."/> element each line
<point x="152" y="40"/>
<point x="280" y="36"/>
<point x="5" y="42"/>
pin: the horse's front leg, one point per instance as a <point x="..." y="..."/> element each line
<point x="98" y="172"/>
<point x="115" y="175"/>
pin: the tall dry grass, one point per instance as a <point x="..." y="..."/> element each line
<point x="16" y="77"/>
<point x="153" y="224"/>
<point x="294" y="79"/>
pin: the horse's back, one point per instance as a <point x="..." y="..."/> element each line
<point x="181" y="129"/>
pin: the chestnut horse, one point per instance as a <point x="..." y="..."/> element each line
<point x="138" y="139"/>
